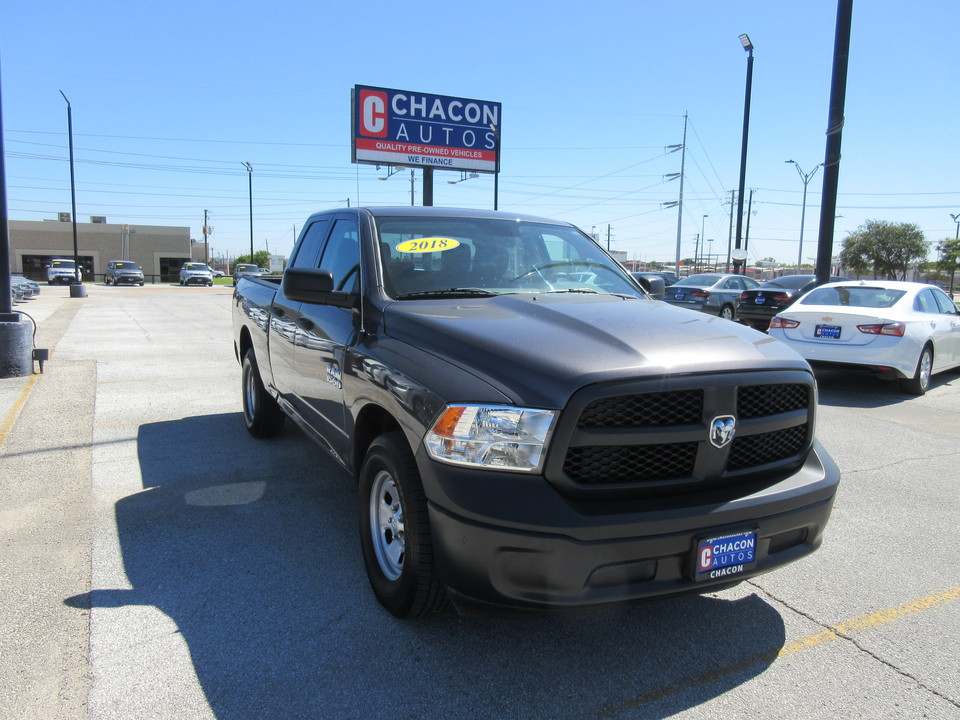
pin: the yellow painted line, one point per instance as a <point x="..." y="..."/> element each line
<point x="873" y="620"/>
<point x="12" y="415"/>
<point x="837" y="632"/>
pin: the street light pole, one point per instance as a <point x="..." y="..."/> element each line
<point x="74" y="292"/>
<point x="805" y="177"/>
<point x="249" y="167"/>
<point x="748" y="47"/>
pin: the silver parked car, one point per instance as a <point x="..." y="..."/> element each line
<point x="196" y="273"/>
<point x="713" y="293"/>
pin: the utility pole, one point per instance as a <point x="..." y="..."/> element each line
<point x="608" y="238"/>
<point x="683" y="159"/>
<point x="726" y="268"/>
<point x="206" y="252"/>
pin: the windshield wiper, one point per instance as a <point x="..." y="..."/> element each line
<point x="448" y="293"/>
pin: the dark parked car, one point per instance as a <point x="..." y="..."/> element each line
<point x="669" y="278"/>
<point x="241" y="269"/>
<point x="712" y="293"/>
<point x="651" y="282"/>
<point x="123" y="271"/>
<point x="757" y="306"/>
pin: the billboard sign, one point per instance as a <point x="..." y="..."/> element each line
<point x="399" y="127"/>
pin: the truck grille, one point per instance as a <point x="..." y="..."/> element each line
<point x="643" y="437"/>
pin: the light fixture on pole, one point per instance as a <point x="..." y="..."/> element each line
<point x="464" y="176"/>
<point x="748" y="47"/>
<point x="805" y="177"/>
<point x="249" y="167"/>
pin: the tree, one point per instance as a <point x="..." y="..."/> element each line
<point x="948" y="257"/>
<point x="889" y="249"/>
<point x="261" y="258"/>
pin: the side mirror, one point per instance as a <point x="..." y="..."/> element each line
<point x="314" y="286"/>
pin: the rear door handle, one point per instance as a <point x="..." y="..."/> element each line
<point x="304" y="324"/>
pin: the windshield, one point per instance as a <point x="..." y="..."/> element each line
<point x="855" y="295"/>
<point x="424" y="256"/>
<point x="66" y="264"/>
<point x="126" y="266"/>
<point x="195" y="266"/>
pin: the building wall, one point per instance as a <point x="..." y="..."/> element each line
<point x="158" y="250"/>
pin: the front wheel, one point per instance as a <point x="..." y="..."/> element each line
<point x="920" y="382"/>
<point x="395" y="530"/>
<point x="261" y="413"/>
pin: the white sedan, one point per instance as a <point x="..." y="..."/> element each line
<point x="907" y="329"/>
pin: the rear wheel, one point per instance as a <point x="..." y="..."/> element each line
<point x="920" y="382"/>
<point x="395" y="530"/>
<point x="261" y="413"/>
<point x="726" y="312"/>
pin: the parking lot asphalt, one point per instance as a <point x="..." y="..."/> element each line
<point x="158" y="562"/>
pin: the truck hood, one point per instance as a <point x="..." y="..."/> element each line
<point x="539" y="349"/>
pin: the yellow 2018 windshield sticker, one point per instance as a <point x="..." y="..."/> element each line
<point x="425" y="245"/>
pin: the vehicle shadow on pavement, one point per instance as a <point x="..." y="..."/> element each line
<point x="255" y="556"/>
<point x="859" y="389"/>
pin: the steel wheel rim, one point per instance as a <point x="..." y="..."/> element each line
<point x="249" y="392"/>
<point x="387" y="526"/>
<point x="926" y="366"/>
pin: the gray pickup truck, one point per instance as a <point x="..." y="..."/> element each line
<point x="526" y="426"/>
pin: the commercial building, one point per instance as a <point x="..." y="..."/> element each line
<point x="160" y="251"/>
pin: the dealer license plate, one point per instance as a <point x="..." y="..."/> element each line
<point x="679" y="296"/>
<point x="831" y="332"/>
<point x="726" y="555"/>
<point x="760" y="300"/>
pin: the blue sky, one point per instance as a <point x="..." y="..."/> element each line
<point x="170" y="99"/>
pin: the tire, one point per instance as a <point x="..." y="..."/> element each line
<point x="106" y="281"/>
<point x="920" y="382"/>
<point x="726" y="312"/>
<point x="261" y="413"/>
<point x="395" y="530"/>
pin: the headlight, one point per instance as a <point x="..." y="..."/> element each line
<point x="491" y="436"/>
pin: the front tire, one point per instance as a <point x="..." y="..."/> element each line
<point x="395" y="530"/>
<point x="920" y="382"/>
<point x="261" y="413"/>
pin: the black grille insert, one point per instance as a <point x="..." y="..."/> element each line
<point x="763" y="400"/>
<point x="630" y="463"/>
<point x="657" y="409"/>
<point x="755" y="450"/>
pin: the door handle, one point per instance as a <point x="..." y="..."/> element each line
<point x="278" y="311"/>
<point x="304" y="324"/>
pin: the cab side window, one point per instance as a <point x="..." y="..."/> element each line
<point x="309" y="250"/>
<point x="341" y="256"/>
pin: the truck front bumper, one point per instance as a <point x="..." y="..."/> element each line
<point x="512" y="540"/>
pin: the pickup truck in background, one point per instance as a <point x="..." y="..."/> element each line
<point x="526" y="426"/>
